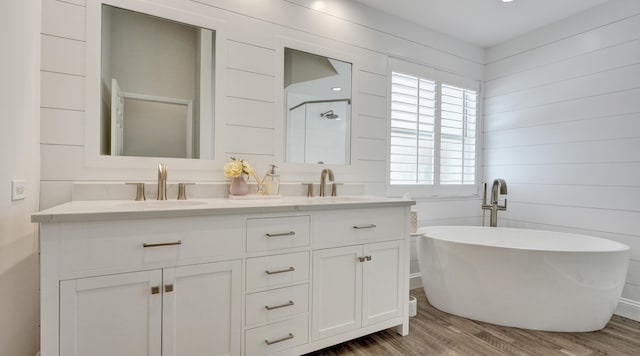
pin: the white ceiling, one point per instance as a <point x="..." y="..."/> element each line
<point x="484" y="23"/>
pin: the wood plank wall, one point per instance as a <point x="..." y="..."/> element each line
<point x="562" y="126"/>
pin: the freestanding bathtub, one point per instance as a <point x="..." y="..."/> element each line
<point x="529" y="279"/>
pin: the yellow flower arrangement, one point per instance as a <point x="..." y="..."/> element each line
<point x="237" y="167"/>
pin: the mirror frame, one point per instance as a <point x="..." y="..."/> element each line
<point x="342" y="170"/>
<point x="92" y="156"/>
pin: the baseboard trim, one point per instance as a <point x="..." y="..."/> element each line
<point x="629" y="309"/>
<point x="415" y="280"/>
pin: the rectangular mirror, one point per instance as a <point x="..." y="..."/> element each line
<point x="156" y="86"/>
<point x="317" y="95"/>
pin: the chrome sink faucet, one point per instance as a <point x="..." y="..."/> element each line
<point x="323" y="179"/>
<point x="499" y="186"/>
<point x="162" y="182"/>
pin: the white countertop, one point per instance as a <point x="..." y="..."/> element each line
<point x="101" y="210"/>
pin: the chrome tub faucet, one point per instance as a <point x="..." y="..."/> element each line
<point x="499" y="186"/>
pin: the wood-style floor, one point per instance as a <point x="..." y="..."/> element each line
<point x="433" y="332"/>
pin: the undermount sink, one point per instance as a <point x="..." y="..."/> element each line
<point x="161" y="204"/>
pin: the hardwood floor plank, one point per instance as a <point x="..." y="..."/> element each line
<point x="436" y="333"/>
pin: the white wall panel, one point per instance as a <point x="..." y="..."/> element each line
<point x="245" y="112"/>
<point x="369" y="149"/>
<point x="250" y="140"/>
<point x="633" y="276"/>
<point x="54" y="193"/>
<point x="591" y="196"/>
<point x="61" y="127"/>
<point x="601" y="151"/>
<point x="250" y="58"/>
<point x="608" y="58"/>
<point x="373" y="83"/>
<point x="615" y="80"/>
<point x="249" y="85"/>
<point x="604" y="36"/>
<point x="608" y="174"/>
<point x="593" y="129"/>
<point x="62" y="91"/>
<point x="371" y="105"/>
<point x="603" y="105"/>
<point x="613" y="221"/>
<point x="63" y="19"/>
<point x="62" y="55"/>
<point x="371" y="127"/>
<point x="593" y="18"/>
<point x="631" y="292"/>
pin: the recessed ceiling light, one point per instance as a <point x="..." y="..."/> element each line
<point x="336" y="89"/>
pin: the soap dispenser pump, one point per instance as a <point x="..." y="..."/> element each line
<point x="272" y="181"/>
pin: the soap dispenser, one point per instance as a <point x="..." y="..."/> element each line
<point x="272" y="182"/>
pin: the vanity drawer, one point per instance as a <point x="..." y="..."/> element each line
<point x="277" y="270"/>
<point x="273" y="338"/>
<point x="265" y="234"/>
<point x="276" y="304"/>
<point x="111" y="247"/>
<point x="335" y="228"/>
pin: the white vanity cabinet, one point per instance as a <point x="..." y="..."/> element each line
<point x="221" y="279"/>
<point x="188" y="310"/>
<point x="359" y="285"/>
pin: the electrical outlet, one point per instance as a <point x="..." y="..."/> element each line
<point x="18" y="189"/>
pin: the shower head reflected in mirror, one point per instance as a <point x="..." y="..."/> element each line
<point x="330" y="115"/>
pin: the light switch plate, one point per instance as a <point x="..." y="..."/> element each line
<point x="18" y="189"/>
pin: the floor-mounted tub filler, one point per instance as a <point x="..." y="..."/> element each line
<point x="530" y="279"/>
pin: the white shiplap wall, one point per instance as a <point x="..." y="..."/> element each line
<point x="562" y="126"/>
<point x="253" y="31"/>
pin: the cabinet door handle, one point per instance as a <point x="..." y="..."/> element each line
<point x="370" y="226"/>
<point x="280" y="234"/>
<point x="290" y="303"/>
<point x="368" y="257"/>
<point x="288" y="337"/>
<point x="290" y="269"/>
<point x="361" y="259"/>
<point x="168" y="288"/>
<point x="145" y="245"/>
<point x="155" y="290"/>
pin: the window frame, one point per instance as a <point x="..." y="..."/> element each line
<point x="436" y="189"/>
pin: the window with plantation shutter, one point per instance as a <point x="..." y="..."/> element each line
<point x="432" y="143"/>
<point x="412" y="129"/>
<point x="457" y="135"/>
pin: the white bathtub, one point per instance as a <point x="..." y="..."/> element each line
<point x="523" y="278"/>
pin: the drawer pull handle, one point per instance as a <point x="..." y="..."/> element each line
<point x="288" y="337"/>
<point x="155" y="290"/>
<point x="168" y="288"/>
<point x="290" y="303"/>
<point x="368" y="257"/>
<point x="361" y="259"/>
<point x="280" y="234"/>
<point x="370" y="226"/>
<point x="290" y="269"/>
<point x="145" y="245"/>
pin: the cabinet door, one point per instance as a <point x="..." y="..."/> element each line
<point x="382" y="273"/>
<point x="111" y="315"/>
<point x="202" y="310"/>
<point x="337" y="291"/>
